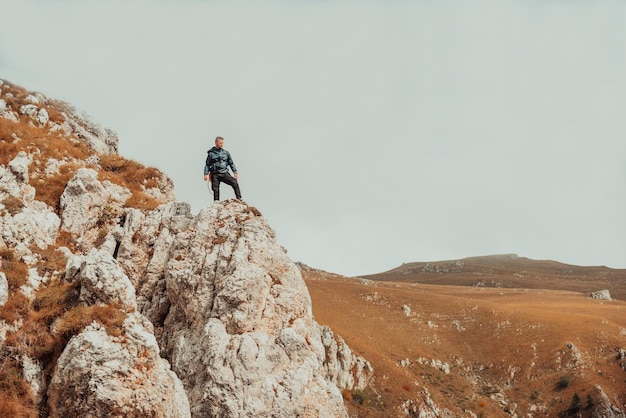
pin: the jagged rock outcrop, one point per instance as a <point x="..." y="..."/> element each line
<point x="236" y="317"/>
<point x="101" y="375"/>
<point x="213" y="295"/>
<point x="102" y="280"/>
<point x="604" y="408"/>
<point x="35" y="223"/>
<point x="343" y="368"/>
<point x="82" y="201"/>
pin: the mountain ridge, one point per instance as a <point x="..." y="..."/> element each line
<point x="510" y="271"/>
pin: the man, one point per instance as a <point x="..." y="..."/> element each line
<point x="216" y="169"/>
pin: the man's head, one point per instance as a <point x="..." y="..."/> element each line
<point x="219" y="142"/>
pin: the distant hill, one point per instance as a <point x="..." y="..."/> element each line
<point x="510" y="271"/>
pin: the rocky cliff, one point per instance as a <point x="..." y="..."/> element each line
<point x="116" y="300"/>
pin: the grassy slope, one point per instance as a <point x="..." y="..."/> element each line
<point x="499" y="343"/>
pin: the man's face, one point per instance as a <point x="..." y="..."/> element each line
<point x="219" y="143"/>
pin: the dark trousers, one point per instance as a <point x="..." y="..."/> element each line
<point x="217" y="178"/>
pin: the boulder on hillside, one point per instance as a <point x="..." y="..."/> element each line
<point x="99" y="375"/>
<point x="82" y="201"/>
<point x="102" y="280"/>
<point x="601" y="295"/>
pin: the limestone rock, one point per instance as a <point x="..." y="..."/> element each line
<point x="82" y="201"/>
<point x="29" y="109"/>
<point x="42" y="116"/>
<point x="4" y="289"/>
<point x="342" y="367"/>
<point x="34" y="376"/>
<point x="36" y="225"/>
<point x="238" y="327"/>
<point x="601" y="295"/>
<point x="102" y="280"/>
<point x="100" y="139"/>
<point x="604" y="408"/>
<point x="145" y="250"/>
<point x="99" y="375"/>
<point x="14" y="177"/>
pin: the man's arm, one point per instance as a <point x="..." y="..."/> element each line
<point x="232" y="166"/>
<point x="207" y="165"/>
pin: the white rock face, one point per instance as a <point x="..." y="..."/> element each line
<point x="103" y="376"/>
<point x="236" y="316"/>
<point x="82" y="201"/>
<point x="29" y="109"/>
<point x="42" y="116"/>
<point x="4" y="289"/>
<point x="38" y="226"/>
<point x="34" y="224"/>
<point x="343" y="368"/>
<point x="601" y="295"/>
<point x="33" y="374"/>
<point x="102" y="280"/>
<point x="14" y="178"/>
<point x="102" y="140"/>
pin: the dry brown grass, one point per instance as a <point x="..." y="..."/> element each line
<point x="50" y="189"/>
<point x="15" y="270"/>
<point x="16" y="397"/>
<point x="66" y="239"/>
<point x="38" y="141"/>
<point x="13" y="205"/>
<point x="14" y="95"/>
<point x="483" y="334"/>
<point x="16" y="307"/>
<point x="142" y="201"/>
<point x="133" y="176"/>
<point x="109" y="316"/>
<point x="50" y="260"/>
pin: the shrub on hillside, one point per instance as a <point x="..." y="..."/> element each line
<point x="576" y="404"/>
<point x="563" y="382"/>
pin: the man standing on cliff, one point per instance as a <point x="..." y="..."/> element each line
<point x="216" y="169"/>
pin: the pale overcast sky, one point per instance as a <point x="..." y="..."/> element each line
<point x="369" y="133"/>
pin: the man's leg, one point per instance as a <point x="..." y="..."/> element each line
<point x="215" y="185"/>
<point x="232" y="182"/>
